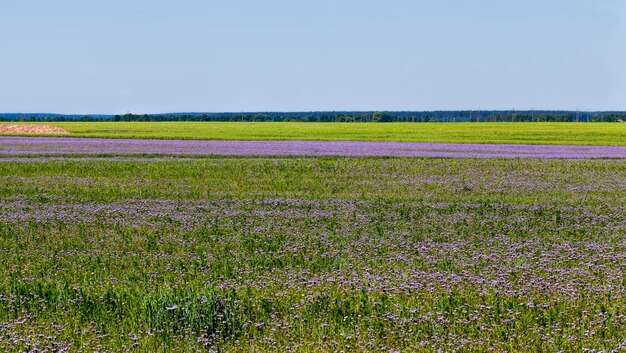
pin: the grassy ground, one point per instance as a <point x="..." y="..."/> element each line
<point x="525" y="133"/>
<point x="313" y="255"/>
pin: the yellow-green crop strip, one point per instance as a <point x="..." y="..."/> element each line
<point x="602" y="134"/>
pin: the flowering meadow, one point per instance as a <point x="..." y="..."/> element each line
<point x="312" y="255"/>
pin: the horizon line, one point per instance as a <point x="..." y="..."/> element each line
<point x="316" y="111"/>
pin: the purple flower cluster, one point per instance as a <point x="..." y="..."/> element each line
<point x="14" y="146"/>
<point x="509" y="255"/>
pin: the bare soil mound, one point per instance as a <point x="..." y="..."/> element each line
<point x="13" y="129"/>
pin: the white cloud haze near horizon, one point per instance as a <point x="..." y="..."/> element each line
<point x="71" y="56"/>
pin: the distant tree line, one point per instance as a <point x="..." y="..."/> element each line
<point x="259" y="117"/>
<point x="346" y="116"/>
<point x="382" y="117"/>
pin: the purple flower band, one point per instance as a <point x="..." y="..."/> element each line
<point x="43" y="145"/>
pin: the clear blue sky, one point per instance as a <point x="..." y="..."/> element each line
<point x="77" y="56"/>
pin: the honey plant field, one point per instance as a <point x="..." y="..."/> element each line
<point x="313" y="255"/>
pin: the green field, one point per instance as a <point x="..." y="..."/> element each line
<point x="313" y="255"/>
<point x="523" y="133"/>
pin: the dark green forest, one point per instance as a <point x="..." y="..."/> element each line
<point x="343" y="116"/>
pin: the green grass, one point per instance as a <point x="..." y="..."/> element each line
<point x="524" y="133"/>
<point x="313" y="255"/>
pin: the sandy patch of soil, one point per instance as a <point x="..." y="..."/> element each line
<point x="13" y="129"/>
